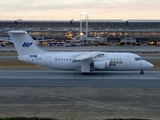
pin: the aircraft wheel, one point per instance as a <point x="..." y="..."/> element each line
<point x="142" y="72"/>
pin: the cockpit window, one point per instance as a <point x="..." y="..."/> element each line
<point x="138" y="58"/>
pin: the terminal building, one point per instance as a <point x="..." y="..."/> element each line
<point x="101" y="30"/>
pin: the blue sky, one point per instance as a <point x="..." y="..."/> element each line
<point x="70" y="9"/>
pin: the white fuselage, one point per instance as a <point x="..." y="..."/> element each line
<point x="64" y="61"/>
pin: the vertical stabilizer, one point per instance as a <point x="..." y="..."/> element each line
<point x="24" y="44"/>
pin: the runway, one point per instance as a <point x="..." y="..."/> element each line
<point x="52" y="78"/>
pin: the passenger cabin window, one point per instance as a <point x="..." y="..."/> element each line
<point x="33" y="55"/>
<point x="138" y="59"/>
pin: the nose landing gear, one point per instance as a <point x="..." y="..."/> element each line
<point x="141" y="72"/>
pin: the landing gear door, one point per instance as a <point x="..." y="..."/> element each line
<point x="85" y="66"/>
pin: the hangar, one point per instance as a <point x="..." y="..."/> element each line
<point x="107" y="30"/>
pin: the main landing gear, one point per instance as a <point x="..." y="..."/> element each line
<point x="141" y="72"/>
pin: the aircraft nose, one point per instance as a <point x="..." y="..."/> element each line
<point x="147" y="64"/>
<point x="150" y="65"/>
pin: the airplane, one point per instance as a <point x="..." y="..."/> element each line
<point x="6" y="39"/>
<point x="85" y="62"/>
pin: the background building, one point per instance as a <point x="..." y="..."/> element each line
<point x="108" y="30"/>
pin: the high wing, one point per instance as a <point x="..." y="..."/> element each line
<point x="87" y="55"/>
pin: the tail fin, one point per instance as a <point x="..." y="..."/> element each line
<point x="23" y="43"/>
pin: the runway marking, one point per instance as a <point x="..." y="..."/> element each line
<point x="129" y="75"/>
<point x="157" y="75"/>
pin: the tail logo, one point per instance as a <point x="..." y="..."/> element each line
<point x="27" y="44"/>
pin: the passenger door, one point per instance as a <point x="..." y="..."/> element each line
<point x="48" y="60"/>
<point x="128" y="60"/>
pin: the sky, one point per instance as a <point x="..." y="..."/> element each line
<point x="71" y="9"/>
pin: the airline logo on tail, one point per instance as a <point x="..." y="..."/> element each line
<point x="27" y="44"/>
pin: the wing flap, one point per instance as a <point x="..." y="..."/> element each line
<point x="88" y="55"/>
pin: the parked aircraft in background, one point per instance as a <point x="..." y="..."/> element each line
<point x="6" y="39"/>
<point x="82" y="61"/>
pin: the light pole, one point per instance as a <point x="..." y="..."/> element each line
<point x="83" y="14"/>
<point x="131" y="35"/>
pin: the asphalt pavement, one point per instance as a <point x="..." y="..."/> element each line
<point x="53" y="78"/>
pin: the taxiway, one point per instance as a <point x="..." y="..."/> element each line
<point x="53" y="78"/>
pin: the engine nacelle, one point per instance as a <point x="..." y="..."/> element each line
<point x="101" y="64"/>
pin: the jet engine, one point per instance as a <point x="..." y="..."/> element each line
<point x="101" y="64"/>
